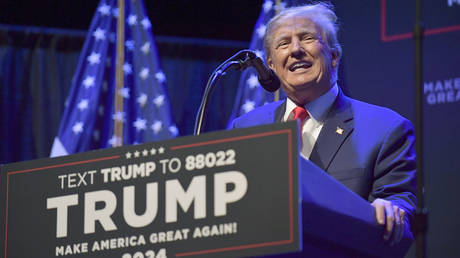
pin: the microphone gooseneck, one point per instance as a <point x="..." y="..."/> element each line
<point x="239" y="61"/>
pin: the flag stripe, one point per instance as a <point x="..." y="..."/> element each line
<point x="90" y="114"/>
<point x="250" y="94"/>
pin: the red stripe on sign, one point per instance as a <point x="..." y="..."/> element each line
<point x="6" y="211"/>
<point x="42" y="168"/>
<point x="442" y="30"/>
<point x="407" y="35"/>
<point x="233" y="248"/>
<point x="291" y="194"/>
<point x="230" y="139"/>
<point x="64" y="165"/>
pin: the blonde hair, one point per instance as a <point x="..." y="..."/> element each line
<point x="321" y="14"/>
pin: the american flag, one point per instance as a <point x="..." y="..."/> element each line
<point x="88" y="119"/>
<point x="250" y="94"/>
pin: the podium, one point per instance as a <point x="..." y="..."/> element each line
<point x="339" y="223"/>
<point x="235" y="193"/>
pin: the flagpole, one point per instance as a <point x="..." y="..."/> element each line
<point x="421" y="214"/>
<point x="277" y="10"/>
<point x="118" y="121"/>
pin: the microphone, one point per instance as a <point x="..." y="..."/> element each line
<point x="267" y="78"/>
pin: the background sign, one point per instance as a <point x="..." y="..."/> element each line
<point x="378" y="67"/>
<point x="191" y="196"/>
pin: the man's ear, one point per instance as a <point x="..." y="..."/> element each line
<point x="270" y="63"/>
<point x="335" y="57"/>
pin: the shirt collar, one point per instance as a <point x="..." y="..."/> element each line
<point x="318" y="108"/>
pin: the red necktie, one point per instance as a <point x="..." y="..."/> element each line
<point x="300" y="113"/>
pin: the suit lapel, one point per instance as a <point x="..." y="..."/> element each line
<point x="337" y="127"/>
<point x="279" y="112"/>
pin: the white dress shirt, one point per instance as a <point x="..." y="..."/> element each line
<point x="312" y="126"/>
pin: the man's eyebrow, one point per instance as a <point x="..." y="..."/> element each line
<point x="286" y="35"/>
<point x="307" y="32"/>
<point x="281" y="37"/>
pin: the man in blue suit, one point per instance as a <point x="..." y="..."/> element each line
<point x="367" y="148"/>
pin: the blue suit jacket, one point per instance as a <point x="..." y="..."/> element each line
<point x="374" y="156"/>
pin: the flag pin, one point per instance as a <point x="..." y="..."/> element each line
<point x="339" y="130"/>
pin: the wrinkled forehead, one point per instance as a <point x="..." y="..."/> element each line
<point x="294" y="25"/>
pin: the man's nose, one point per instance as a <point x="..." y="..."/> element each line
<point x="296" y="48"/>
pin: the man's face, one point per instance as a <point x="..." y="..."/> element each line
<point x="301" y="59"/>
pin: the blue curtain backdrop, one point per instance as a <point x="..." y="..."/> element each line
<point x="36" y="69"/>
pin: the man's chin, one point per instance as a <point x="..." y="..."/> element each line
<point x="304" y="93"/>
<point x="300" y="87"/>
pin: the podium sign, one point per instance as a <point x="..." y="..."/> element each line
<point x="227" y="194"/>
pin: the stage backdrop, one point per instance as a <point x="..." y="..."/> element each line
<point x="377" y="67"/>
<point x="36" y="69"/>
<point x="378" y="64"/>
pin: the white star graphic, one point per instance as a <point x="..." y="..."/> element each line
<point x="124" y="92"/>
<point x="159" y="101"/>
<point x="160" y="77"/>
<point x="140" y="124"/>
<point x="252" y="81"/>
<point x="128" y="155"/>
<point x="94" y="58"/>
<point x="259" y="53"/>
<point x="144" y="73"/>
<point x="153" y="151"/>
<point x="83" y="104"/>
<point x="267" y="6"/>
<point x="99" y="34"/>
<point x="142" y="99"/>
<point x="132" y="19"/>
<point x="261" y="30"/>
<point x="129" y="44"/>
<point x="77" y="128"/>
<point x="156" y="126"/>
<point x="145" y="48"/>
<point x="127" y="68"/>
<point x="248" y="106"/>
<point x="115" y="12"/>
<point x="104" y="9"/>
<point x="115" y="141"/>
<point x="88" y="82"/>
<point x="173" y="130"/>
<point x="119" y="116"/>
<point x="161" y="150"/>
<point x="145" y="153"/>
<point x="146" y="23"/>
<point x="136" y="154"/>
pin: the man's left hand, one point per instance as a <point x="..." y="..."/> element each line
<point x="392" y="217"/>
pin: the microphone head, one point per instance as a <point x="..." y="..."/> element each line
<point x="272" y="83"/>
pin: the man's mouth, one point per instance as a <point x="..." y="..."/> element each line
<point x="299" y="65"/>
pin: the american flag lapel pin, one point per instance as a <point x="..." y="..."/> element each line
<point x="339" y="130"/>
